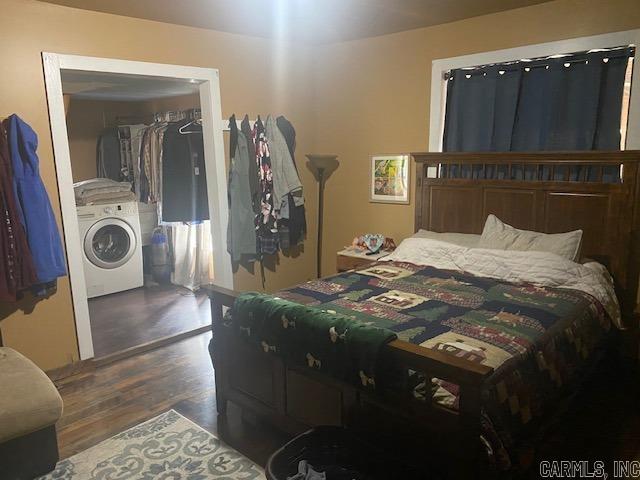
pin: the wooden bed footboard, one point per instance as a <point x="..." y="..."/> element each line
<point x="294" y="398"/>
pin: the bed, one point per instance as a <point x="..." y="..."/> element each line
<point x="485" y="343"/>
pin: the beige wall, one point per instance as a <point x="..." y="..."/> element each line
<point x="256" y="76"/>
<point x="353" y="99"/>
<point x="373" y="97"/>
<point x="86" y="119"/>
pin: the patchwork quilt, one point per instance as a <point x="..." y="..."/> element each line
<point x="538" y="339"/>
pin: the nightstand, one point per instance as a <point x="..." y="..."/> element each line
<point x="351" y="258"/>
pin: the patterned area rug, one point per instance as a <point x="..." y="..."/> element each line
<point x="167" y="447"/>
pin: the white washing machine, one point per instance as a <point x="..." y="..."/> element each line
<point x="111" y="247"/>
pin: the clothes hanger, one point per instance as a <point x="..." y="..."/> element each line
<point x="182" y="130"/>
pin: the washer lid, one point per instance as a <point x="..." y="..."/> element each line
<point x="110" y="243"/>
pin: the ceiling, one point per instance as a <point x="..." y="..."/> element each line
<point x="311" y="21"/>
<point x="120" y="87"/>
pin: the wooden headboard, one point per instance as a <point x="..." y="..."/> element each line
<point x="546" y="192"/>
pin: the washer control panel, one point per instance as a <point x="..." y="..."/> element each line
<point x="124" y="209"/>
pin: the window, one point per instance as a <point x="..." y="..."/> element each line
<point x="577" y="101"/>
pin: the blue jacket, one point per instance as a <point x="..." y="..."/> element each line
<point x="34" y="208"/>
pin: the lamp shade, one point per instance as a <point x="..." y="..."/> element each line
<point x="323" y="161"/>
<point x="322" y="164"/>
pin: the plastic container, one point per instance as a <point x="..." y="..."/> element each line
<point x="160" y="266"/>
<point x="341" y="455"/>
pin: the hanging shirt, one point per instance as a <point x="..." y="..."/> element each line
<point x="144" y="179"/>
<point x="297" y="221"/>
<point x="155" y="165"/>
<point x="254" y="177"/>
<point x="35" y="212"/>
<point x="266" y="220"/>
<point x="108" y="156"/>
<point x="241" y="233"/>
<point x="137" y="133"/>
<point x="150" y="161"/>
<point x="285" y="176"/>
<point x="184" y="176"/>
<point x="126" y="161"/>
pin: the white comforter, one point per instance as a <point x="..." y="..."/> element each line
<point x="539" y="268"/>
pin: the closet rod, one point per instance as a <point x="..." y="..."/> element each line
<point x="119" y="118"/>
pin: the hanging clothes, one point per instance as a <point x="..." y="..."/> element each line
<point x="108" y="154"/>
<point x="126" y="155"/>
<point x="18" y="272"/>
<point x="144" y="187"/>
<point x="176" y="162"/>
<point x="150" y="161"/>
<point x="273" y="190"/>
<point x="35" y="209"/>
<point x="184" y="182"/>
<point x="254" y="175"/>
<point x="155" y="166"/>
<point x="296" y="223"/>
<point x="241" y="233"/>
<point x="286" y="183"/>
<point x="266" y="220"/>
<point x="285" y="175"/>
<point x="136" y="133"/>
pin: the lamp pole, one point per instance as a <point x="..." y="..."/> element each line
<point x="320" y="217"/>
<point x="322" y="165"/>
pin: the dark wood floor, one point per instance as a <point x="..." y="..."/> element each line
<point x="99" y="404"/>
<point x="135" y="317"/>
<point x="604" y="424"/>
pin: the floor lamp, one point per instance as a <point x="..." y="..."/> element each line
<point x="322" y="167"/>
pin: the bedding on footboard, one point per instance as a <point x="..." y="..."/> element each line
<point x="539" y="329"/>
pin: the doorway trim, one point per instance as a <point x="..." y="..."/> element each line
<point x="212" y="126"/>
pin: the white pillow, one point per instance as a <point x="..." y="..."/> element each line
<point x="498" y="235"/>
<point x="469" y="240"/>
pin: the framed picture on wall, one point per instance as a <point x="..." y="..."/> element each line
<point x="389" y="179"/>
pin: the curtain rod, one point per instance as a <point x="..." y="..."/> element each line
<point x="576" y="57"/>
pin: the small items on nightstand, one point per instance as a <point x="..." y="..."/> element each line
<point x="365" y="250"/>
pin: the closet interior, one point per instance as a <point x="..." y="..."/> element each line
<point x="137" y="158"/>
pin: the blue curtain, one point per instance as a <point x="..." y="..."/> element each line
<point x="540" y="105"/>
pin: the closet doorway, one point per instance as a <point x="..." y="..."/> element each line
<point x="141" y="172"/>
